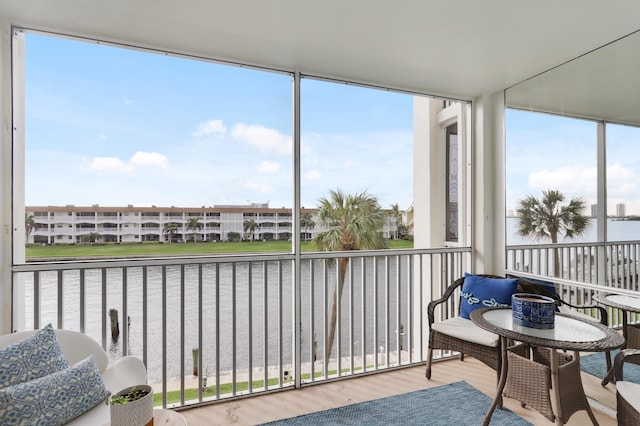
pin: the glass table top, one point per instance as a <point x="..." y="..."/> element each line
<point x="622" y="301"/>
<point x="566" y="328"/>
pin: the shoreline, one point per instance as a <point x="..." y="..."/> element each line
<point x="242" y="375"/>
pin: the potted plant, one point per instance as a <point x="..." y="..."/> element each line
<point x="132" y="406"/>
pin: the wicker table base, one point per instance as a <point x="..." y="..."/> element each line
<point x="529" y="379"/>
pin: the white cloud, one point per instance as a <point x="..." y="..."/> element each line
<point x="149" y="159"/>
<point x="263" y="138"/>
<point x="313" y="174"/>
<point x="102" y="136"/>
<point x="138" y="160"/>
<point x="621" y="181"/>
<point x="572" y="180"/>
<point x="108" y="164"/>
<point x="268" y="167"/>
<point x="582" y="181"/>
<point x="127" y="101"/>
<point x="214" y="128"/>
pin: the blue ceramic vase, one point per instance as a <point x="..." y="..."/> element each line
<point x="533" y="311"/>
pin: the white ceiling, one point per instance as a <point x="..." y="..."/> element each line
<point x="459" y="49"/>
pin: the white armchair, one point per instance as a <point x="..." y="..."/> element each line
<point x="76" y="346"/>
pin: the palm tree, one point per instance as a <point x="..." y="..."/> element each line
<point x="548" y="217"/>
<point x="29" y="225"/>
<point x="194" y="224"/>
<point x="249" y="226"/>
<point x="354" y="222"/>
<point x="306" y="223"/>
<point x="169" y="230"/>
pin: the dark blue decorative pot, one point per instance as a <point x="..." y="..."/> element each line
<point x="533" y="311"/>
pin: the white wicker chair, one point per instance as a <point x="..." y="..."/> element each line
<point x="76" y="346"/>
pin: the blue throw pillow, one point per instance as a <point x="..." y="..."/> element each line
<point x="54" y="399"/>
<point x="536" y="286"/>
<point x="36" y="356"/>
<point x="484" y="292"/>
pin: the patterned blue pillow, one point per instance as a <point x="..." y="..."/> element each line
<point x="484" y="292"/>
<point x="36" y="356"/>
<point x="54" y="399"/>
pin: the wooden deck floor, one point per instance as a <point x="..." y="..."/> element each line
<point x="278" y="405"/>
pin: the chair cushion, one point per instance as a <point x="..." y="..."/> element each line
<point x="36" y="356"/>
<point x="54" y="399"/>
<point x="630" y="392"/>
<point x="483" y="292"/>
<point x="465" y="329"/>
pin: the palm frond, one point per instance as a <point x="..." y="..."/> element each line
<point x="547" y="217"/>
<point x="354" y="222"/>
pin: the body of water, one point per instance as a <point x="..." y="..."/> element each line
<point x="241" y="317"/>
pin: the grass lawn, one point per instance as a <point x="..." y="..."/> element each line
<point x="175" y="249"/>
<point x="173" y="397"/>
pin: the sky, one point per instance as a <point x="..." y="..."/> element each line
<point x="113" y="126"/>
<point x="552" y="152"/>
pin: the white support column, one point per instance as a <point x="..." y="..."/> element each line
<point x="601" y="213"/>
<point x="7" y="230"/>
<point x="5" y="181"/>
<point x="488" y="215"/>
<point x="423" y="171"/>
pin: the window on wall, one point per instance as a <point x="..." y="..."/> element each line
<point x="623" y="191"/>
<point x="623" y="205"/>
<point x="355" y="141"/>
<point x="549" y="153"/>
<point x="452" y="173"/>
<point x="553" y="192"/>
<point x="115" y="129"/>
<point x="110" y="126"/>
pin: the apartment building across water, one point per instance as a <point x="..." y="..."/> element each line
<point x="72" y="224"/>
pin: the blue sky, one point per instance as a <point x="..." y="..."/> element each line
<point x="112" y="126"/>
<point x="552" y="152"/>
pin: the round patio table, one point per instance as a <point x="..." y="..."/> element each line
<point x="569" y="334"/>
<point x="631" y="332"/>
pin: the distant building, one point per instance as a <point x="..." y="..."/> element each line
<point x="73" y="225"/>
<point x="621" y="210"/>
<point x="594" y="210"/>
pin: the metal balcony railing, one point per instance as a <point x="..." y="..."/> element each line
<point x="582" y="269"/>
<point x="612" y="264"/>
<point x="218" y="327"/>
